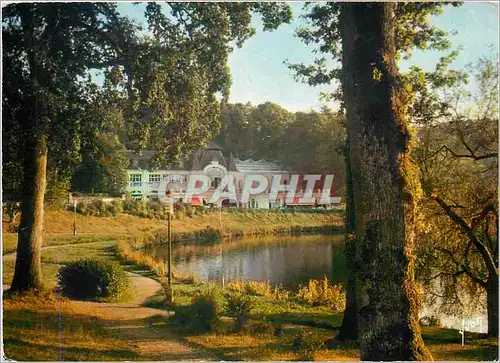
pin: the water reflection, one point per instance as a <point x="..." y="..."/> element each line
<point x="287" y="260"/>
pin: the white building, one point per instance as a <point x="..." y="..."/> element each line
<point x="212" y="161"/>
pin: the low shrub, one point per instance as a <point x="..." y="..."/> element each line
<point x="202" y="315"/>
<point x="259" y="288"/>
<point x="94" y="279"/>
<point x="201" y="210"/>
<point x="321" y="292"/>
<point x="115" y="207"/>
<point x="208" y="234"/>
<point x="239" y="306"/>
<point x="99" y="205"/>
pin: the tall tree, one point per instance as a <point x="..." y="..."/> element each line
<point x="384" y="185"/>
<point x="234" y="123"/>
<point x="47" y="47"/>
<point x="163" y="85"/>
<point x="413" y="30"/>
<point x="103" y="167"/>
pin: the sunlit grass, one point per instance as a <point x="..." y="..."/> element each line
<point x="46" y="328"/>
<point x="54" y="258"/>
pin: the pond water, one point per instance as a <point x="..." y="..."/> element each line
<point x="282" y="260"/>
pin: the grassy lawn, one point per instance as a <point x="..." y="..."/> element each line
<point x="443" y="343"/>
<point x="293" y="316"/>
<point x="54" y="258"/>
<point x="47" y="329"/>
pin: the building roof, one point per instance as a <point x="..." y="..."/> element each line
<point x="200" y="158"/>
<point x="257" y="166"/>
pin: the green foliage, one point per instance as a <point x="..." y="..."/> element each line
<point x="321" y="292"/>
<point x="115" y="207"/>
<point x="239" y="306"/>
<point x="57" y="191"/>
<point x="162" y="86"/>
<point x="413" y="30"/>
<point x="94" y="279"/>
<point x="307" y="142"/>
<point x="103" y="168"/>
<point x="259" y="288"/>
<point x="202" y="315"/>
<point x="260" y="327"/>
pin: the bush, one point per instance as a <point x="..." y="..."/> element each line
<point x="188" y="279"/>
<point x="94" y="279"/>
<point x="239" y="306"/>
<point x="208" y="234"/>
<point x="81" y="208"/>
<point x="99" y="205"/>
<point x="202" y="315"/>
<point x="201" y="210"/>
<point x="115" y="207"/>
<point x="320" y="292"/>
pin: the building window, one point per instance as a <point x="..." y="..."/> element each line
<point x="135" y="180"/>
<point x="154" y="178"/>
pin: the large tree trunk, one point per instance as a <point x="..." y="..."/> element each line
<point x="383" y="187"/>
<point x="349" y="327"/>
<point x="492" y="306"/>
<point x="27" y="274"/>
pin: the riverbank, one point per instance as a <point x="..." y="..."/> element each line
<point x="210" y="225"/>
<point x="98" y="236"/>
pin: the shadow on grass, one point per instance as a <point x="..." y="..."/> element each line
<point x="43" y="333"/>
<point x="20" y="349"/>
<point x="315" y="320"/>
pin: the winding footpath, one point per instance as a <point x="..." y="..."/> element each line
<point x="143" y="328"/>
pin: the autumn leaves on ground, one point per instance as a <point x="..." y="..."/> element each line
<point x="50" y="327"/>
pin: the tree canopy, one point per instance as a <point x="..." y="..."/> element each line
<point x="162" y="86"/>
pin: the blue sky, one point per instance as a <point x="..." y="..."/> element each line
<point x="259" y="75"/>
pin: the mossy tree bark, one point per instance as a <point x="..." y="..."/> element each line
<point x="349" y="327"/>
<point x="27" y="275"/>
<point x="383" y="186"/>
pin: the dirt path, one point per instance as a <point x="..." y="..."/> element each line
<point x="143" y="327"/>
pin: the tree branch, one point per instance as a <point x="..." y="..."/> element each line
<point x="472" y="155"/>
<point x="468" y="231"/>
